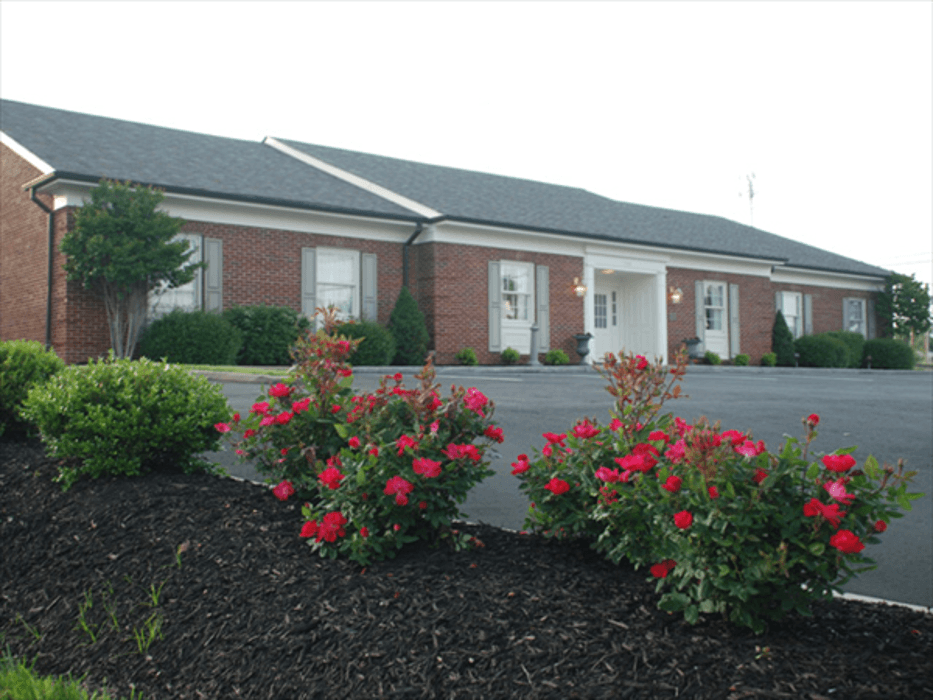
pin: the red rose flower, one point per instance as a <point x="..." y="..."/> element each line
<point x="427" y="467"/>
<point x="491" y="432"/>
<point x="683" y="519"/>
<point x="881" y="526"/>
<point x="280" y="391"/>
<point x="672" y="484"/>
<point x="839" y="463"/>
<point x="760" y="475"/>
<point x="284" y="490"/>
<point x="521" y="466"/>
<point x="813" y="420"/>
<point x="309" y="529"/>
<point x="846" y="542"/>
<point x="662" y="569"/>
<point x="713" y="492"/>
<point x="330" y="477"/>
<point x="222" y="427"/>
<point x="364" y="532"/>
<point x="557" y="486"/>
<point x="400" y="488"/>
<point x="354" y="442"/>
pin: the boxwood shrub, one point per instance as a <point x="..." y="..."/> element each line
<point x="23" y="365"/>
<point x="556" y="356"/>
<point x="741" y="360"/>
<point x="377" y="348"/>
<point x="510" y="356"/>
<point x="887" y="353"/>
<point x="126" y="417"/>
<point x="466" y="356"/>
<point x="821" y="350"/>
<point x="191" y="338"/>
<point x="855" y="344"/>
<point x="269" y="332"/>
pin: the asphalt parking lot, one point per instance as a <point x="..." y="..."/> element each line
<point x="888" y="414"/>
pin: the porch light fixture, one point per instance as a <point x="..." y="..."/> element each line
<point x="578" y="287"/>
<point x="675" y="295"/>
<point x="607" y="272"/>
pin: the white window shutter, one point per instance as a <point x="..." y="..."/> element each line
<point x="308" y="282"/>
<point x="542" y="296"/>
<point x="495" y="307"/>
<point x="700" y="309"/>
<point x="734" y="336"/>
<point x="213" y="274"/>
<point x="370" y="306"/>
<point x="808" y="314"/>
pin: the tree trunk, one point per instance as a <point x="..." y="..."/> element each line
<point x="126" y="314"/>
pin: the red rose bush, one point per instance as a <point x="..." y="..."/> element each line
<point x="375" y="471"/>
<point x="723" y="525"/>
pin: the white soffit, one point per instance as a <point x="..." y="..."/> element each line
<point x="822" y="278"/>
<point x="352" y="179"/>
<point x="25" y="153"/>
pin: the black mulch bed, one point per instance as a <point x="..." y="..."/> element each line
<point x="252" y="613"/>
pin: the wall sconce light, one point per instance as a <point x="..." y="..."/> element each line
<point x="675" y="295"/>
<point x="578" y="287"/>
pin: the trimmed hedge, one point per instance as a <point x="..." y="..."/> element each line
<point x="821" y="350"/>
<point x="887" y="353"/>
<point x="24" y="364"/>
<point x="269" y="332"/>
<point x="855" y="344"/>
<point x="191" y="338"/>
<point x="377" y="348"/>
<point x="126" y="417"/>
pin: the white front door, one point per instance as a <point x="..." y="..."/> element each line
<point x="606" y="324"/>
<point x="715" y="302"/>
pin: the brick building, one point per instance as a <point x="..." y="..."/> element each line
<point x="287" y="223"/>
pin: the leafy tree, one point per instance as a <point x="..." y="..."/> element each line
<point x="410" y="331"/>
<point x="905" y="306"/>
<point x="782" y="341"/>
<point x="122" y="248"/>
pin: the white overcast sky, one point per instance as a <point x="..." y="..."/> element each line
<point x="671" y="104"/>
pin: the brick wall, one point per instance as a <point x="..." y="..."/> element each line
<point x="756" y="310"/>
<point x="453" y="292"/>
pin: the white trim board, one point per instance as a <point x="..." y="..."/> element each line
<point x="24" y="153"/>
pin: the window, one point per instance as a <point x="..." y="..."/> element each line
<point x="792" y="311"/>
<point x="188" y="296"/>
<point x="338" y="281"/>
<point x="599" y="310"/>
<point x="516" y="291"/>
<point x="714" y="300"/>
<point x="854" y="314"/>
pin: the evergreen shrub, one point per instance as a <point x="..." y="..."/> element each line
<point x="126" y="417"/>
<point x="556" y="357"/>
<point x="467" y="356"/>
<point x="712" y="358"/>
<point x="409" y="330"/>
<point x="741" y="360"/>
<point x="269" y="332"/>
<point x="510" y="356"/>
<point x="23" y="365"/>
<point x="191" y="338"/>
<point x="887" y="353"/>
<point x="821" y="350"/>
<point x="377" y="348"/>
<point x="855" y="344"/>
<point x="782" y="342"/>
<point x="769" y="359"/>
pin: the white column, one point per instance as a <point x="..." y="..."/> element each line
<point x="661" y="315"/>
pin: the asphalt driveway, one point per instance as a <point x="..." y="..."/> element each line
<point x="888" y="414"/>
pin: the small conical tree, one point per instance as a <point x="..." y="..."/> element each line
<point x="782" y="341"/>
<point x="409" y="329"/>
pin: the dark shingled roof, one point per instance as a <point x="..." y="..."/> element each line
<point x="506" y="201"/>
<point x="86" y="147"/>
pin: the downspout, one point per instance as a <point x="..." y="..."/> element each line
<point x="48" y="297"/>
<point x="405" y="248"/>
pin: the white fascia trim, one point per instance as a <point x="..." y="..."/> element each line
<point x="24" y="153"/>
<point x="723" y="264"/>
<point x="352" y="179"/>
<point x="820" y="278"/>
<point x="248" y="214"/>
<point x="485" y="236"/>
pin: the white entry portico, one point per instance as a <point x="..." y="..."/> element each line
<point x="626" y="305"/>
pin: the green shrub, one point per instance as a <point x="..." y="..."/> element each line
<point x="887" y="353"/>
<point x="191" y="338"/>
<point x="467" y="356"/>
<point x="510" y="356"/>
<point x="269" y="332"/>
<point x="769" y="359"/>
<point x="377" y="348"/>
<point x="23" y="365"/>
<point x="409" y="330"/>
<point x="855" y="345"/>
<point x="126" y="417"/>
<point x="741" y="360"/>
<point x="782" y="342"/>
<point x="712" y="358"/>
<point x="821" y="350"/>
<point x="556" y="357"/>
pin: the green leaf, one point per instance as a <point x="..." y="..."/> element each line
<point x="673" y="602"/>
<point x="817" y="549"/>
<point x="813" y="470"/>
<point x="692" y="614"/>
<point x="871" y="467"/>
<point x="342" y="430"/>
